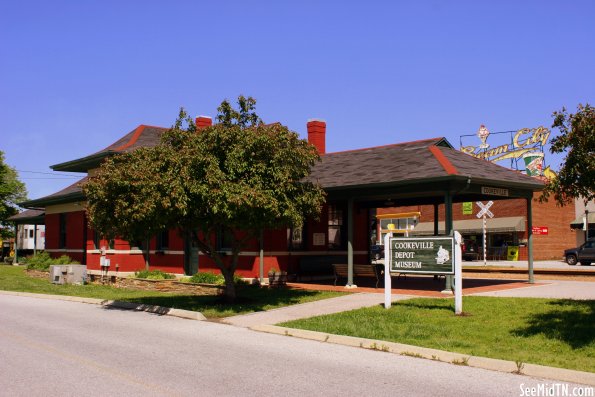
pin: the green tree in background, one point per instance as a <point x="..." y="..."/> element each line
<point x="232" y="179"/>
<point x="576" y="178"/>
<point x="12" y="191"/>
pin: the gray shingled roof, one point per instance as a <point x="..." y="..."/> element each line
<point x="141" y="136"/>
<point x="28" y="215"/>
<point x="408" y="162"/>
<point x="70" y="193"/>
<point x="147" y="136"/>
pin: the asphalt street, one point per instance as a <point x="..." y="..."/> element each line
<point x="57" y="348"/>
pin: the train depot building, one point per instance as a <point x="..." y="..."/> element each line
<point x="427" y="182"/>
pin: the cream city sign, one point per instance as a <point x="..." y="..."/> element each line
<point x="526" y="143"/>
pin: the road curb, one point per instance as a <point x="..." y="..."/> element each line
<point x="165" y="311"/>
<point x="538" y="371"/>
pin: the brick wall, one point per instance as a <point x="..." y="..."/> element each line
<point x="545" y="247"/>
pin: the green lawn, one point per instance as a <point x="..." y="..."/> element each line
<point x="250" y="298"/>
<point x="553" y="332"/>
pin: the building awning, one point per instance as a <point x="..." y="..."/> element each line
<point x="578" y="222"/>
<point x="507" y="224"/>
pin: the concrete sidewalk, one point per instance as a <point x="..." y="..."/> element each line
<point x="548" y="289"/>
<point x="311" y="309"/>
<point x="552" y="264"/>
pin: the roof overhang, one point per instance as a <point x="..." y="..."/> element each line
<point x="29" y="217"/>
<point x="45" y="201"/>
<point x="83" y="164"/>
<point x="506" y="224"/>
<point x="433" y="190"/>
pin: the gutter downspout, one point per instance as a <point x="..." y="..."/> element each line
<point x="85" y="236"/>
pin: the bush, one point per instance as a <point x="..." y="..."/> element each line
<point x="207" y="278"/>
<point x="43" y="261"/>
<point x="212" y="278"/>
<point x="154" y="275"/>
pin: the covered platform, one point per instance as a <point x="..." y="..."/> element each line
<point x="419" y="173"/>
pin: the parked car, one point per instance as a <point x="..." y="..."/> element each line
<point x="585" y="254"/>
<point x="470" y="250"/>
<point x="377" y="252"/>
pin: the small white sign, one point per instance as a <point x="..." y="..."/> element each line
<point x="318" y="239"/>
<point x="494" y="191"/>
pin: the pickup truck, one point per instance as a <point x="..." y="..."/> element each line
<point x="585" y="254"/>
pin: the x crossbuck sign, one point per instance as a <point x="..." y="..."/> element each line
<point x="485" y="209"/>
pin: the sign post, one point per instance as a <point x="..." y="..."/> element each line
<point x="423" y="255"/>
<point x="485" y="210"/>
<point x="387" y="279"/>
<point x="458" y="274"/>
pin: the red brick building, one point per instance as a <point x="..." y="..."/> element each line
<point x="357" y="182"/>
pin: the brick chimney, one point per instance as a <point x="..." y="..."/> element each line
<point x="203" y="122"/>
<point x="317" y="134"/>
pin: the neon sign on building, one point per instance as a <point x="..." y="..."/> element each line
<point x="526" y="144"/>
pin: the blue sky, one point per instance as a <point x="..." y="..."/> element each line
<point x="77" y="75"/>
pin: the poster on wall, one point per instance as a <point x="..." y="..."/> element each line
<point x="318" y="239"/>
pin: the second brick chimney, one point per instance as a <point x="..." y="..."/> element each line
<point x="203" y="122"/>
<point x="317" y="134"/>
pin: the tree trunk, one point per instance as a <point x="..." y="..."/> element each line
<point x="147" y="255"/>
<point x="230" y="287"/>
<point x="227" y="269"/>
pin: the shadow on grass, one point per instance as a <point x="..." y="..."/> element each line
<point x="569" y="321"/>
<point x="445" y="305"/>
<point x="249" y="299"/>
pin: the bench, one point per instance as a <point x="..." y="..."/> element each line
<point x="372" y="270"/>
<point x="278" y="279"/>
<point x="318" y="266"/>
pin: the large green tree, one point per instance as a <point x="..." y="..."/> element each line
<point x="576" y="177"/>
<point x="234" y="178"/>
<point x="12" y="191"/>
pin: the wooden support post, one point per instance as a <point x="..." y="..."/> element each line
<point x="530" y="239"/>
<point x="350" y="244"/>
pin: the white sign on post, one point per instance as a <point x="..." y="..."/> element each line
<point x="424" y="255"/>
<point x="387" y="279"/>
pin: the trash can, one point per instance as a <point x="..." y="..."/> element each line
<point x="513" y="253"/>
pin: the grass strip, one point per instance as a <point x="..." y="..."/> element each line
<point x="250" y="298"/>
<point x="552" y="332"/>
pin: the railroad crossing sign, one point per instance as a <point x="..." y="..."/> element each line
<point x="485" y="209"/>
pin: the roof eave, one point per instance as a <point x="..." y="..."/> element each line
<point x="446" y="178"/>
<point x="83" y="164"/>
<point x="34" y="220"/>
<point x="536" y="186"/>
<point x="45" y="201"/>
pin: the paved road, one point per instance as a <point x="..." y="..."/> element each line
<point x="57" y="348"/>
